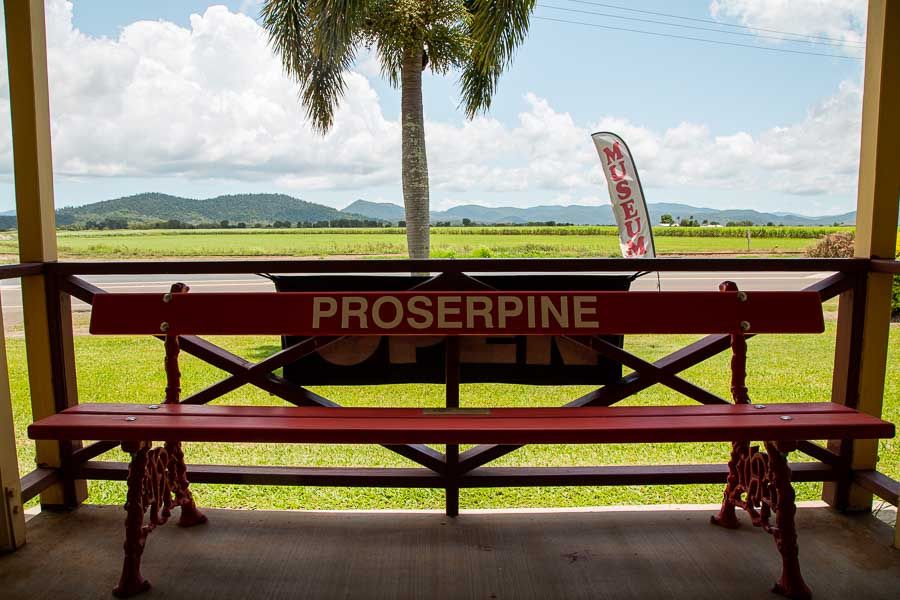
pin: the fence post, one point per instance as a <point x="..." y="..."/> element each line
<point x="864" y="317"/>
<point x="48" y="331"/>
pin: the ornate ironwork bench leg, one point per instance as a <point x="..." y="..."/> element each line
<point x="760" y="483"/>
<point x="727" y="517"/>
<point x="791" y="583"/>
<point x="132" y="582"/>
<point x="155" y="475"/>
<point x="190" y="514"/>
<point x="157" y="480"/>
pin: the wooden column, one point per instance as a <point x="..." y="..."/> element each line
<point x="864" y="315"/>
<point x="12" y="514"/>
<point x="48" y="315"/>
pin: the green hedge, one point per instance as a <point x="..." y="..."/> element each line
<point x="895" y="297"/>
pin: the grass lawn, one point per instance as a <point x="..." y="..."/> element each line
<point x="301" y="242"/>
<point x="781" y="369"/>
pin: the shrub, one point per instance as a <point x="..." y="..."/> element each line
<point x="834" y="245"/>
<point x="895" y="298"/>
<point x="840" y="245"/>
<point x="895" y="290"/>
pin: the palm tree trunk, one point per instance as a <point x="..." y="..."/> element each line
<point x="415" y="162"/>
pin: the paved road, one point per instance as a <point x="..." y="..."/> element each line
<point x="11" y="296"/>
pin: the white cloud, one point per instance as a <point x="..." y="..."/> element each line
<point x="367" y="63"/>
<point x="548" y="151"/>
<point x="819" y="154"/>
<point x="838" y="19"/>
<point x="210" y="102"/>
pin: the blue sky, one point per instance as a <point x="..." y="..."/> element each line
<point x="709" y="124"/>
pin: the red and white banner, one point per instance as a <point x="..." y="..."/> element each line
<point x="626" y="196"/>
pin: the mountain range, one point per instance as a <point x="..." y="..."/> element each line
<point x="266" y="209"/>
<point x="592" y="215"/>
<point x="251" y="209"/>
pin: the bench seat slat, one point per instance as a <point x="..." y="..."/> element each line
<point x="462" y="429"/>
<point x="695" y="410"/>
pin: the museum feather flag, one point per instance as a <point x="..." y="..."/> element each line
<point x="626" y="196"/>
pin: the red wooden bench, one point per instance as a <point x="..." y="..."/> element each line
<point x="759" y="480"/>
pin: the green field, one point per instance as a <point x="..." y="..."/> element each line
<point x="448" y="242"/>
<point x="781" y="369"/>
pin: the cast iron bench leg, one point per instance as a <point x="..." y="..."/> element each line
<point x="760" y="483"/>
<point x="132" y="582"/>
<point x="791" y="583"/>
<point x="190" y="515"/>
<point x="734" y="487"/>
<point x="155" y="475"/>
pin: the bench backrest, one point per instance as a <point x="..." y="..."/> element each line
<point x="457" y="313"/>
<point x="313" y="322"/>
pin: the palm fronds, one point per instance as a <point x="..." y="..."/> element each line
<point x="497" y="28"/>
<point x="316" y="41"/>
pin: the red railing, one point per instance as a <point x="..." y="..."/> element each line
<point x="453" y="470"/>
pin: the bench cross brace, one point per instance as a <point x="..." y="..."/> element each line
<point x="610" y="394"/>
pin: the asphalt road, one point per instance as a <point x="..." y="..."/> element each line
<point x="11" y="293"/>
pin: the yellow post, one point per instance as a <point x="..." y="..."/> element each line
<point x="48" y="327"/>
<point x="12" y="514"/>
<point x="876" y="237"/>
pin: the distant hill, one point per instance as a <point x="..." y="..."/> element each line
<point x="759" y="218"/>
<point x="265" y="209"/>
<point x="385" y="211"/>
<point x="152" y="208"/>
<point x="594" y="215"/>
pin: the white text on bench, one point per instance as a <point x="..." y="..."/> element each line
<point x="454" y="312"/>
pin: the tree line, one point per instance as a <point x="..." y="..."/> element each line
<point x="112" y="223"/>
<point x="690" y="221"/>
<point x="471" y="223"/>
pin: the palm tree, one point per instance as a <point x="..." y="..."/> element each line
<point x="317" y="41"/>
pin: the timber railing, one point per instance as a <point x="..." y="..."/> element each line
<point x="453" y="470"/>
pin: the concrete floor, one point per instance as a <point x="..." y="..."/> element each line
<point x="623" y="553"/>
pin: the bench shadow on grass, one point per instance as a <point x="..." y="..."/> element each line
<point x="261" y="352"/>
